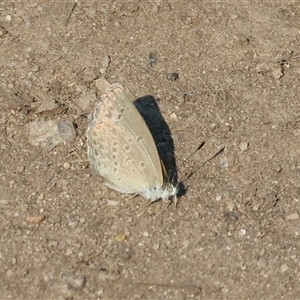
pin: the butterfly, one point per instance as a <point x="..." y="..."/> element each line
<point x="122" y="151"/>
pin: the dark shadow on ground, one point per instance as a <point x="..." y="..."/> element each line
<point x="148" y="108"/>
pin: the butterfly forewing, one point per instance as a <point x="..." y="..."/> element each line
<point x="120" y="145"/>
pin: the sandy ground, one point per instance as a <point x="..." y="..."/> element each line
<point x="235" y="232"/>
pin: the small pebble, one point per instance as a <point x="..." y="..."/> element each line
<point x="152" y="59"/>
<point x="292" y="216"/>
<point x="284" y="268"/>
<point x="186" y="243"/>
<point x="145" y="233"/>
<point x="243" y="146"/>
<point x="66" y="165"/>
<point x="261" y="262"/>
<point x="156" y="247"/>
<point x="225" y="128"/>
<point x="173" y="116"/>
<point x="278" y="167"/>
<point x="277" y="73"/>
<point x="54" y="219"/>
<point x="69" y="252"/>
<point x="242" y="232"/>
<point x="35" y="219"/>
<point x="218" y="197"/>
<point x="224" y="162"/>
<point x="105" y="63"/>
<point x="112" y="202"/>
<point x="172" y="76"/>
<point x="20" y="169"/>
<point x="40" y="196"/>
<point x="74" y="281"/>
<point x="120" y="237"/>
<point x="188" y="21"/>
<point x="2" y="31"/>
<point x="196" y="215"/>
<point x="48" y="134"/>
<point x="230" y="206"/>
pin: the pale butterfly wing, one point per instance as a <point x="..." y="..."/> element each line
<point x="122" y="150"/>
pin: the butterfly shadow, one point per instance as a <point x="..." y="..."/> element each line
<point x="148" y="108"/>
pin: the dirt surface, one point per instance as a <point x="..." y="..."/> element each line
<point x="235" y="232"/>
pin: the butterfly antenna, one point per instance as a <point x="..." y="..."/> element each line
<point x="192" y="154"/>
<point x="208" y="160"/>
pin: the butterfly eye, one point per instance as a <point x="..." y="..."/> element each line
<point x="170" y="187"/>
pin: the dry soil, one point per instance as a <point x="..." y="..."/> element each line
<point x="235" y="231"/>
